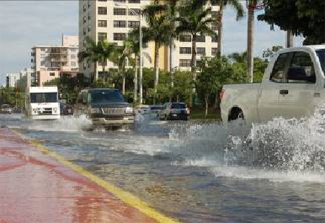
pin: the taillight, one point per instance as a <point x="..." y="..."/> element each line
<point x="222" y="94"/>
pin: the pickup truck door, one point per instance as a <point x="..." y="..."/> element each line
<point x="298" y="94"/>
<point x="268" y="100"/>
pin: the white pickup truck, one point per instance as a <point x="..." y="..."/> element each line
<point x="292" y="87"/>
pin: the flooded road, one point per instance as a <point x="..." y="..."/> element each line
<point x="202" y="172"/>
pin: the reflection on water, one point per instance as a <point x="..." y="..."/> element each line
<point x="203" y="172"/>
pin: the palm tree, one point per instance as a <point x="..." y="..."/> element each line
<point x="106" y="51"/>
<point x="195" y="20"/>
<point x="96" y="53"/>
<point x="121" y="56"/>
<point x="251" y="5"/>
<point x="90" y="54"/>
<point x="159" y="31"/>
<point x="239" y="14"/>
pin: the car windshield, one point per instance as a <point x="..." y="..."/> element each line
<point x="156" y="108"/>
<point x="178" y="105"/>
<point x="104" y="96"/>
<point x="44" y="97"/>
<point x="321" y="56"/>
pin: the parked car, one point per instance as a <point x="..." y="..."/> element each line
<point x="104" y="107"/>
<point x="292" y="87"/>
<point x="5" y="109"/>
<point x="66" y="109"/>
<point x="174" y="111"/>
<point x="155" y="110"/>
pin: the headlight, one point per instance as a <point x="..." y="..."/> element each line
<point x="95" y="110"/>
<point x="35" y="111"/>
<point x="55" y="110"/>
<point x="129" y="110"/>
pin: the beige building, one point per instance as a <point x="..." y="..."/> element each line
<point x="50" y="62"/>
<point x="112" y="19"/>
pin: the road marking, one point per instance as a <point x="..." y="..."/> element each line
<point x="124" y="196"/>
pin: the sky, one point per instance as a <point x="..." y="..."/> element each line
<point x="24" y="24"/>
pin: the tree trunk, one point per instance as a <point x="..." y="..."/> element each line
<point x="289" y="42"/>
<point x="95" y="74"/>
<point x="219" y="25"/>
<point x="156" y="67"/>
<point x="171" y="70"/>
<point x="206" y="98"/>
<point x="123" y="83"/>
<point x="193" y="67"/>
<point x="193" y="60"/>
<point x="135" y="81"/>
<point x="250" y="41"/>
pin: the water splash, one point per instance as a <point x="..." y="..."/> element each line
<point x="282" y="149"/>
<point x="65" y="124"/>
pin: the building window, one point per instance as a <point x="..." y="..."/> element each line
<point x="185" y="63"/>
<point x="73" y="64"/>
<point x="214" y="39"/>
<point x="120" y="1"/>
<point x="102" y="23"/>
<point x="185" y="50"/>
<point x="119" y="11"/>
<point x="200" y="39"/>
<point x="119" y="36"/>
<point x="119" y="24"/>
<point x="102" y="36"/>
<point x="73" y="56"/>
<point x="134" y="24"/>
<point x="200" y="50"/>
<point x="102" y="0"/>
<point x="134" y="1"/>
<point x="185" y="38"/>
<point x="84" y="19"/>
<point x="102" y="10"/>
<point x="42" y="63"/>
<point x="214" y="51"/>
<point x="52" y="74"/>
<point x="134" y="12"/>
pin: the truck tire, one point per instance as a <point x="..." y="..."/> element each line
<point x="236" y="114"/>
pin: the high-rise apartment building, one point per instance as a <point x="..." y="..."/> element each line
<point x="112" y="19"/>
<point x="50" y="62"/>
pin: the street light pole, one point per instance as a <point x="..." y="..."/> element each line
<point x="141" y="56"/>
<point x="141" y="61"/>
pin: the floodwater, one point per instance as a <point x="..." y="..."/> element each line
<point x="202" y="172"/>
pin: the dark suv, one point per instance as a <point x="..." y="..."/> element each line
<point x="105" y="107"/>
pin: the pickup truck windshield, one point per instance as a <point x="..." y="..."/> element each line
<point x="105" y="96"/>
<point x="43" y="97"/>
<point x="321" y="56"/>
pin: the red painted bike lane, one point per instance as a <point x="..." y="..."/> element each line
<point x="35" y="187"/>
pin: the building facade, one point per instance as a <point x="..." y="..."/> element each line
<point x="111" y="20"/>
<point x="12" y="79"/>
<point x="50" y="62"/>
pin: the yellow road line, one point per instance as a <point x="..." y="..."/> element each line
<point x="124" y="196"/>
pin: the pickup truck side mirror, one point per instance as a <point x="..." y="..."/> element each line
<point x="299" y="74"/>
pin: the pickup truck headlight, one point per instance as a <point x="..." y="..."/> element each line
<point x="129" y="110"/>
<point x="95" y="110"/>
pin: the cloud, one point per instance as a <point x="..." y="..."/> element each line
<point x="24" y="24"/>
